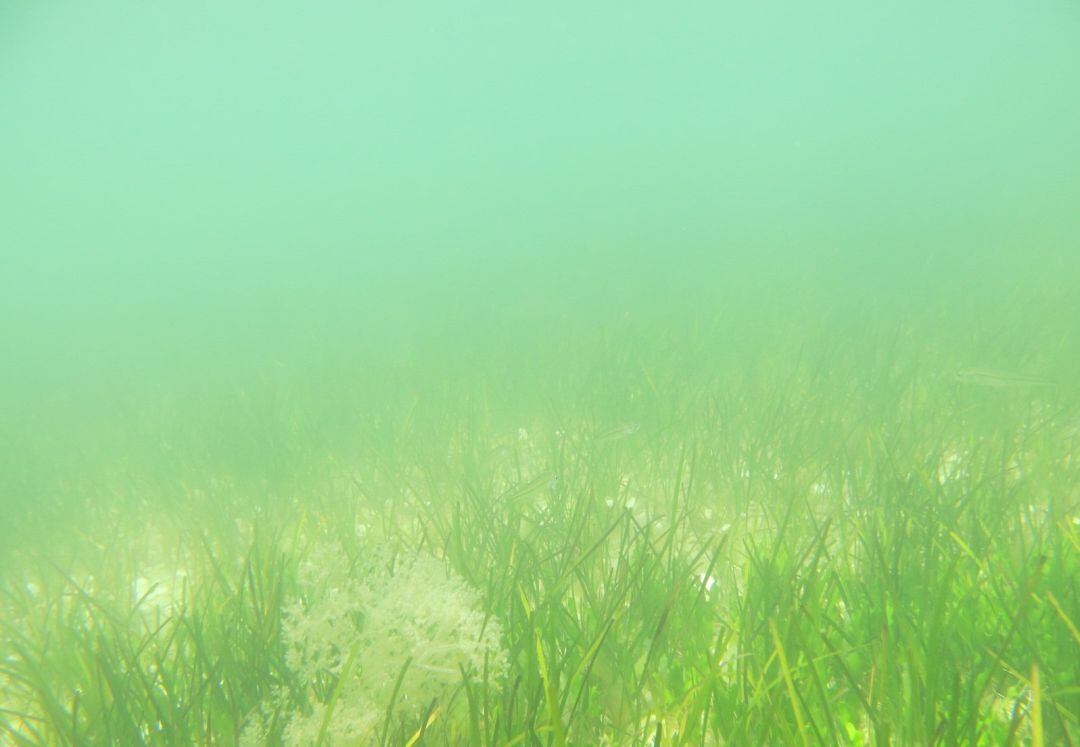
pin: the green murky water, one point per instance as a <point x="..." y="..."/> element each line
<point x="576" y="374"/>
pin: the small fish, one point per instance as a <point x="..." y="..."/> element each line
<point x="1000" y="379"/>
<point x="547" y="478"/>
<point x="617" y="433"/>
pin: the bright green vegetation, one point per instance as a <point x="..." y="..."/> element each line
<point x="808" y="532"/>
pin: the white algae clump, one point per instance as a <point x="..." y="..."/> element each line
<point x="375" y="638"/>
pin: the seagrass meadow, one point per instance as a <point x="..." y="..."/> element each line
<point x="566" y="375"/>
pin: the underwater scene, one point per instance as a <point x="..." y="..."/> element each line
<point x="564" y="374"/>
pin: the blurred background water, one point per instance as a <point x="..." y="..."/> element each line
<point x="208" y="202"/>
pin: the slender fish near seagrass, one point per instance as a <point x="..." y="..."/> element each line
<point x="617" y="433"/>
<point x="547" y="478"/>
<point x="989" y="377"/>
